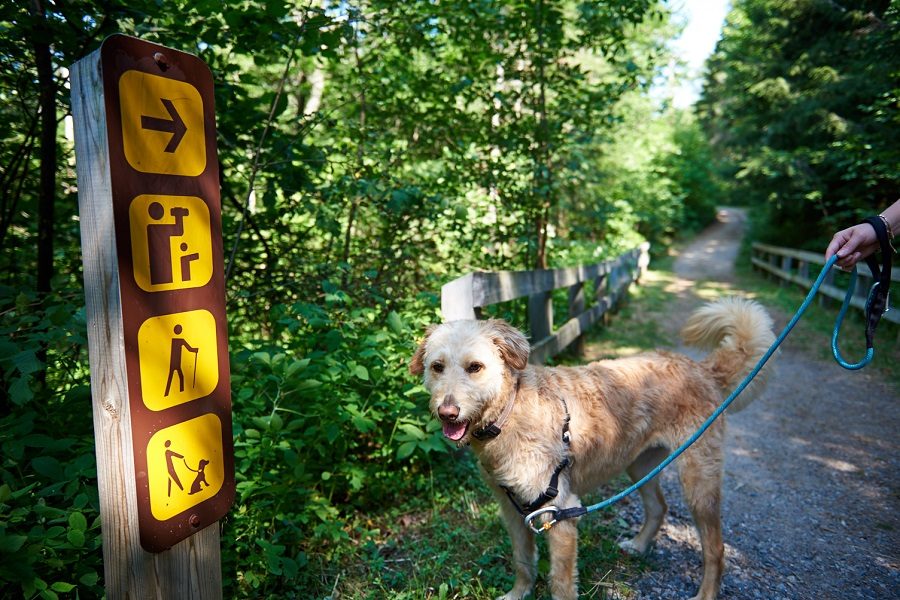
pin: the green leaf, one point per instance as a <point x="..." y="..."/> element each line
<point x="89" y="579"/>
<point x="405" y="449"/>
<point x="61" y="586"/>
<point x="55" y="531"/>
<point x="276" y="422"/>
<point x="20" y="391"/>
<point x="395" y="323"/>
<point x="11" y="544"/>
<point x="75" y="537"/>
<point x="27" y="362"/>
<point x="413" y="430"/>
<point x="77" y="521"/>
<point x="361" y="372"/>
<point x="48" y="467"/>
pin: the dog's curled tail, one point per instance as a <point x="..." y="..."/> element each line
<point x="740" y="331"/>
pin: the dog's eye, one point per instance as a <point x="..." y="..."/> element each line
<point x="437" y="367"/>
<point x="474" y="367"/>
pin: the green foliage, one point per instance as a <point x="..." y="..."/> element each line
<point x="801" y="100"/>
<point x="327" y="423"/>
<point x="49" y="509"/>
<point x="369" y="152"/>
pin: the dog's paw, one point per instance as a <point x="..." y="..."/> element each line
<point x="630" y="547"/>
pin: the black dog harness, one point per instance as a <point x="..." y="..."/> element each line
<point x="553" y="488"/>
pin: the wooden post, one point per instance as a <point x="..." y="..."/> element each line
<point x="803" y="269"/>
<point x="643" y="260"/>
<point x="787" y="264"/>
<point x="576" y="307"/>
<point x="540" y="316"/>
<point x="601" y="295"/>
<point x="191" y="568"/>
<point x="457" y="299"/>
<point x="773" y="260"/>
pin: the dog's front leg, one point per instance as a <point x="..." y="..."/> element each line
<point x="563" y="542"/>
<point x="524" y="549"/>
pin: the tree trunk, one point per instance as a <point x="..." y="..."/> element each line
<point x="542" y="170"/>
<point x="360" y="156"/>
<point x="47" y="151"/>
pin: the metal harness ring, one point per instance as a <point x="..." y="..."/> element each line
<point x="546" y="526"/>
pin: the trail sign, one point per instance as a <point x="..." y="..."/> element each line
<point x="152" y="249"/>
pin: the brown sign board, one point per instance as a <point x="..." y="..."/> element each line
<point x="164" y="187"/>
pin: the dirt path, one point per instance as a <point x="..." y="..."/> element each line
<point x="812" y="475"/>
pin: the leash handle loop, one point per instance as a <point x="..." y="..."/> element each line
<point x="870" y="346"/>
<point x="877" y="301"/>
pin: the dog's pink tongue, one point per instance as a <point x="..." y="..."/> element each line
<point x="454" y="431"/>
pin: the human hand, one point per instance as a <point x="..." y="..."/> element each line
<point x="852" y="245"/>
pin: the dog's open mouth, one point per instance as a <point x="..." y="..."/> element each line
<point x="455" y="430"/>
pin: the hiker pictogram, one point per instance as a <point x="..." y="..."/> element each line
<point x="170" y="241"/>
<point x="185" y="465"/>
<point x="163" y="126"/>
<point x="178" y="358"/>
<point x="175" y="361"/>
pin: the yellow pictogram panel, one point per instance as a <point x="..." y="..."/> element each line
<point x="162" y="124"/>
<point x="185" y="465"/>
<point x="178" y="357"/>
<point x="171" y="242"/>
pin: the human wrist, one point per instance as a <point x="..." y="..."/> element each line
<point x="891" y="215"/>
<point x="887" y="226"/>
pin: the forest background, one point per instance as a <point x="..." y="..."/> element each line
<point x="369" y="152"/>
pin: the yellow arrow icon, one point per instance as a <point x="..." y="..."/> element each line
<point x="162" y="124"/>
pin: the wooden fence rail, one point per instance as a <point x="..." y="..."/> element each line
<point x="464" y="297"/>
<point x="792" y="265"/>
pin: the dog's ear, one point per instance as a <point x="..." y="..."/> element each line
<point x="513" y="345"/>
<point x="417" y="362"/>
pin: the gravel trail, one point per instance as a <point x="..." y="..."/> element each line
<point x="812" y="474"/>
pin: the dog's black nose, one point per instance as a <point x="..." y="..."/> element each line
<point x="448" y="411"/>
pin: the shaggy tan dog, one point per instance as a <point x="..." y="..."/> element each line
<point x="624" y="415"/>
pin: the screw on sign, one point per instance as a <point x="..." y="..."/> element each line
<point x="154" y="285"/>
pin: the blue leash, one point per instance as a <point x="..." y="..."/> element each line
<point x="560" y="514"/>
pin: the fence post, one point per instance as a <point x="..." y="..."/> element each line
<point x="576" y="307"/>
<point x="773" y="260"/>
<point x="787" y="263"/>
<point x="803" y="269"/>
<point x="457" y="299"/>
<point x="540" y="316"/>
<point x="643" y="260"/>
